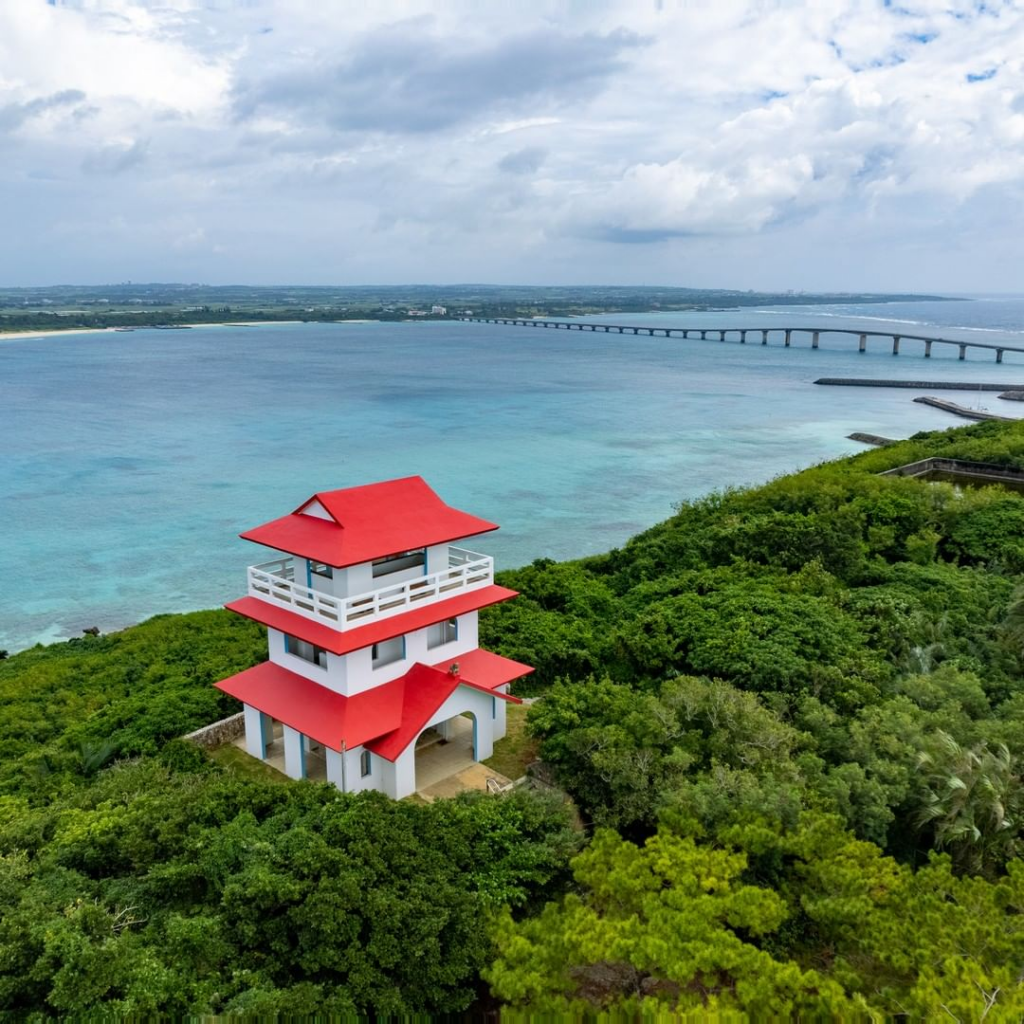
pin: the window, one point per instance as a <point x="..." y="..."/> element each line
<point x="365" y="764"/>
<point x="442" y="633"/>
<point x="307" y="651"/>
<point x="387" y="652"/>
<point x="399" y="562"/>
<point x="321" y="569"/>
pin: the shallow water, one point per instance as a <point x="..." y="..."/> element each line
<point x="132" y="460"/>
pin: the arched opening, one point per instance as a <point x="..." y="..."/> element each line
<point x="445" y="749"/>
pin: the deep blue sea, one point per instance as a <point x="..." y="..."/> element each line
<point x="132" y="460"/>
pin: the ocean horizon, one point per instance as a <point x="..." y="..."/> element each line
<point x="133" y="460"/>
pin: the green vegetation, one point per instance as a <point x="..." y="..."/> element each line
<point x="791" y="718"/>
<point x="517" y="749"/>
<point x="140" y="305"/>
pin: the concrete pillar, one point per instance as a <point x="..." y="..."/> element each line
<point x="255" y="740"/>
<point x="927" y="350"/>
<point x="743" y="337"/>
<point x="764" y="337"/>
<point x="963" y="351"/>
<point x="999" y="355"/>
<point x="703" y="335"/>
<point x="335" y="768"/>
<point x="294" y="753"/>
<point x="814" y="339"/>
<point x="499" y="724"/>
<point x="483" y="745"/>
<point x="863" y="343"/>
<point x="788" y="333"/>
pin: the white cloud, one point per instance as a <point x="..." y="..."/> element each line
<point x="455" y="141"/>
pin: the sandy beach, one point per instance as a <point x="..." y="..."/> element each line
<point x="18" y="335"/>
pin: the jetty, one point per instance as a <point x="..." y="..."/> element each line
<point x="960" y="410"/>
<point x="787" y="334"/>
<point x="875" y="439"/>
<point x="917" y="385"/>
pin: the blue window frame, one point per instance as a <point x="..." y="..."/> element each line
<point x="442" y="633"/>
<point x="305" y="650"/>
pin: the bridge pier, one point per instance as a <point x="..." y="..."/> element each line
<point x="788" y="333"/>
<point x="814" y="338"/>
<point x="764" y="337"/>
<point x="703" y="335"/>
<point x="963" y="351"/>
<point x="999" y="355"/>
<point x="721" y="335"/>
<point x="863" y="343"/>
<point x="927" y="350"/>
<point x="743" y="337"/>
<point x="895" y="344"/>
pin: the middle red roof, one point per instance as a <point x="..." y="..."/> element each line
<point x="359" y="524"/>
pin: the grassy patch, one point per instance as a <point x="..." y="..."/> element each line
<point x="240" y="763"/>
<point x="517" y="749"/>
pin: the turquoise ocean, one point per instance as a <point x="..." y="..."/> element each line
<point x="131" y="461"/>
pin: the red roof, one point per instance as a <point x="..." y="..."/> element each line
<point x="339" y="641"/>
<point x="486" y="669"/>
<point x="426" y="690"/>
<point x="385" y="719"/>
<point x="369" y="522"/>
<point x="317" y="712"/>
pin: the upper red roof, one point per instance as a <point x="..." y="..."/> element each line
<point x="369" y="522"/>
<point x="339" y="641"/>
<point x="385" y="719"/>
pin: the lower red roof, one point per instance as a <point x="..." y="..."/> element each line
<point x="385" y="719"/>
<point x="426" y="689"/>
<point x="314" y="710"/>
<point x="339" y="641"/>
<point x="486" y="669"/>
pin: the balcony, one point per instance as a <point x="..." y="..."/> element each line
<point x="275" y="582"/>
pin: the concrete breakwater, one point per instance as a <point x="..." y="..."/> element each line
<point x="931" y="385"/>
<point x="875" y="439"/>
<point x="960" y="410"/>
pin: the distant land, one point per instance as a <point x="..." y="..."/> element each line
<point x="64" y="307"/>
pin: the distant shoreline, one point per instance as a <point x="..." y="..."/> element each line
<point x="53" y="331"/>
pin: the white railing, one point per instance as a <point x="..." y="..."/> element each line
<point x="275" y="581"/>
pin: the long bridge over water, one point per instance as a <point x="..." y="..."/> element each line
<point x="787" y="333"/>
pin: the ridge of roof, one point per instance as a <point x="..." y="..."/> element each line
<point x="369" y="521"/>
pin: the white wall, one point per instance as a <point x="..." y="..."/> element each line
<point x="462" y="700"/>
<point x="333" y="677"/>
<point x="377" y="779"/>
<point x="360" y="674"/>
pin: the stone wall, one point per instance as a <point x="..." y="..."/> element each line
<point x="224" y="731"/>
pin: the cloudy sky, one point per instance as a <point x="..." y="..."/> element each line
<point x="847" y="145"/>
